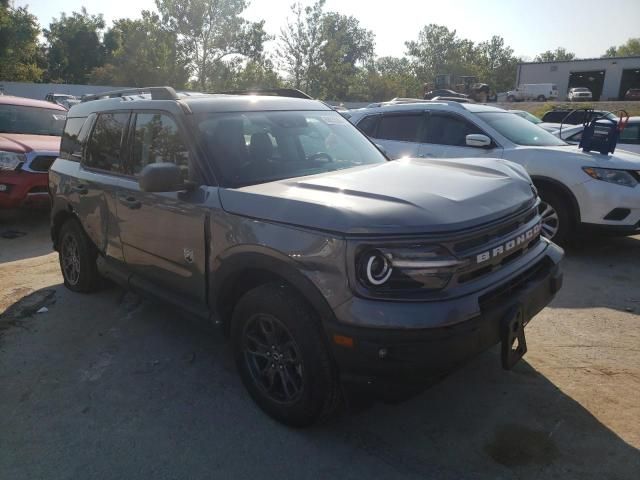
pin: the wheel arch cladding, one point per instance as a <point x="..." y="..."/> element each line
<point x="546" y="183"/>
<point x="58" y="219"/>
<point x="240" y="272"/>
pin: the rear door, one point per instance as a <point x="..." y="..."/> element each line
<point x="445" y="136"/>
<point x="162" y="234"/>
<point x="399" y="133"/>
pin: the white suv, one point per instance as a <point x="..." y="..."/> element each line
<point x="578" y="189"/>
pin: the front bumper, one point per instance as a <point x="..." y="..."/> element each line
<point x="597" y="199"/>
<point x="392" y="362"/>
<point x="24" y="189"/>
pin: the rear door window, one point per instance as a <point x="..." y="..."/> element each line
<point x="104" y="148"/>
<point x="368" y="125"/>
<point x="404" y="127"/>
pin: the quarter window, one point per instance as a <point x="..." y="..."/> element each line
<point x="104" y="146"/>
<point x="450" y="130"/>
<point x="402" y="128"/>
<point x="157" y="139"/>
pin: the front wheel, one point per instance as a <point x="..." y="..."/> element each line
<point x="541" y="98"/>
<point x="556" y="221"/>
<point x="282" y="357"/>
<point x="511" y="98"/>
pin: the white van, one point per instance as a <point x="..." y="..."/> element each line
<point x="540" y="92"/>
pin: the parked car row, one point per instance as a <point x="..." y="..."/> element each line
<point x="541" y="92"/>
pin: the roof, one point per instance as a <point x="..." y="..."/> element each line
<point x="584" y="60"/>
<point x="200" y="103"/>
<point x="29" y="102"/>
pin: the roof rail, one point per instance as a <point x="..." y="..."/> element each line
<point x="277" y="92"/>
<point x="157" y="93"/>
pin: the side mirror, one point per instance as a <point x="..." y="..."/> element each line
<point x="478" y="140"/>
<point x="161" y="177"/>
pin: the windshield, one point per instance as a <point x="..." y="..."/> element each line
<point x="31" y="120"/>
<point x="528" y="116"/>
<point x="519" y="130"/>
<point x="258" y="147"/>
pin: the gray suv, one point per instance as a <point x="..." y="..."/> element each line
<point x="331" y="269"/>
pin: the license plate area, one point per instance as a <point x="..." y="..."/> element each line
<point x="514" y="343"/>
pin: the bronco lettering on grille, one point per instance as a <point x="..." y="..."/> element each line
<point x="523" y="238"/>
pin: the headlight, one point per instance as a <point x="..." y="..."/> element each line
<point x="405" y="269"/>
<point x="619" y="177"/>
<point x="11" y="160"/>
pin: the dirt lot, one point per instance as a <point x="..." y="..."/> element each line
<point x="113" y="386"/>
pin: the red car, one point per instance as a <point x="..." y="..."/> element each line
<point x="30" y="132"/>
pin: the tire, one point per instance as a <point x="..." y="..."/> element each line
<point x="555" y="212"/>
<point x="77" y="256"/>
<point x="541" y="98"/>
<point x="511" y="98"/>
<point x="300" y="387"/>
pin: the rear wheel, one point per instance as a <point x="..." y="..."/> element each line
<point x="556" y="221"/>
<point x="281" y="356"/>
<point x="77" y="256"/>
<point x="542" y="98"/>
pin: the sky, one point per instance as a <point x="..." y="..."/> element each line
<point x="585" y="27"/>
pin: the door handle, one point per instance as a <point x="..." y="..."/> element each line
<point x="130" y="202"/>
<point x="80" y="189"/>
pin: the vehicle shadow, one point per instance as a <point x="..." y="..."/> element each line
<point x="126" y="388"/>
<point x="602" y="272"/>
<point x="24" y="234"/>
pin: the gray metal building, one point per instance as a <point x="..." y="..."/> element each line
<point x="607" y="78"/>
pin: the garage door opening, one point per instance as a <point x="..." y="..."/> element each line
<point x="592" y="80"/>
<point x="630" y="79"/>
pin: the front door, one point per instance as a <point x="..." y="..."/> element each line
<point x="163" y="234"/>
<point x="445" y="135"/>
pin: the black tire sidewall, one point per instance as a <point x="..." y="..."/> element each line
<point x="88" y="278"/>
<point x="319" y="375"/>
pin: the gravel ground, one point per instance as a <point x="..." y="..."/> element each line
<point x="113" y="386"/>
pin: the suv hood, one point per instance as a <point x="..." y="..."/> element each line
<point x="620" y="159"/>
<point x="398" y="197"/>
<point x="21" y="143"/>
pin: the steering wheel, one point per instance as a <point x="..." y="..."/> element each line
<point x="319" y="155"/>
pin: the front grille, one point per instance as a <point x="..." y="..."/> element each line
<point x="42" y="163"/>
<point x="500" y="245"/>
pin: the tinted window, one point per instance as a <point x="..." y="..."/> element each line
<point x="70" y="143"/>
<point x="104" y="146"/>
<point x="157" y="139"/>
<point x="449" y="130"/>
<point x="519" y="130"/>
<point x="258" y="147"/>
<point x="31" y="120"/>
<point x="631" y="134"/>
<point x="368" y="125"/>
<point x="400" y="127"/>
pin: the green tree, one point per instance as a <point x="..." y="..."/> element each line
<point x="628" y="49"/>
<point x="212" y="31"/>
<point x="495" y="64"/>
<point x="300" y="43"/>
<point x="384" y="79"/>
<point x="75" y="48"/>
<point x="345" y="48"/>
<point x="560" y="54"/>
<point x="141" y="53"/>
<point x="438" y="50"/>
<point x="19" y="49"/>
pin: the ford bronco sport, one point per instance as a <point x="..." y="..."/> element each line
<point x="329" y="267"/>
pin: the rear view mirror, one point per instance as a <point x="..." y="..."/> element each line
<point x="161" y="177"/>
<point x="478" y="140"/>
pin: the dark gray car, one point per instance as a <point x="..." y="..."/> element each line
<point x="331" y="269"/>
